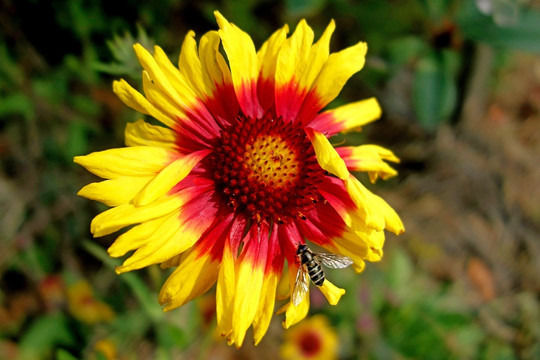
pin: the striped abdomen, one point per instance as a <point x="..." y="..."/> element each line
<point x="315" y="272"/>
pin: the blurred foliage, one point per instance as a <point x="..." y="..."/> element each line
<point x="57" y="62"/>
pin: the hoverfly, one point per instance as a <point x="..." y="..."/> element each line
<point x="310" y="267"/>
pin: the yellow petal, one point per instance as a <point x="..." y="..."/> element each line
<point x="159" y="77"/>
<point x="366" y="207"/>
<point x="382" y="152"/>
<point x="174" y="236"/>
<point x="268" y="53"/>
<point x="357" y="257"/>
<point x="337" y="70"/>
<point x="369" y="158"/>
<point x="141" y="133"/>
<point x="294" y="313"/>
<point x="124" y="215"/>
<point x="216" y="70"/>
<point x="266" y="307"/>
<point x="176" y="77"/>
<point x="190" y="66"/>
<point x="375" y="212"/>
<point x="391" y="218"/>
<point x="115" y="192"/>
<point x="327" y="157"/>
<point x="293" y="56"/>
<point x="318" y="55"/>
<point x="331" y="292"/>
<point x="225" y="290"/>
<point x="161" y="101"/>
<point x="193" y="277"/>
<point x="130" y="161"/>
<point x="136" y="236"/>
<point x="172" y="262"/>
<point x="136" y="101"/>
<point x="249" y="283"/>
<point x="169" y="177"/>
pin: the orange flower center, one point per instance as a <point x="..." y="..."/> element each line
<point x="267" y="168"/>
<point x="310" y="343"/>
<point x="269" y="160"/>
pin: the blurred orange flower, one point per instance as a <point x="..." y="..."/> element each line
<point x="84" y="306"/>
<point x="313" y="339"/>
<point x="51" y="290"/>
<point x="107" y="348"/>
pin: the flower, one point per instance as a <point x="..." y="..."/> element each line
<point x="84" y="306"/>
<point x="105" y="348"/>
<point x="241" y="172"/>
<point x="313" y="339"/>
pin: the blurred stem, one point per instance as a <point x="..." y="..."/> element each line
<point x="474" y="106"/>
<point x="146" y="298"/>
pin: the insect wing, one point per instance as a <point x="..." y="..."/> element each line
<point x="333" y="261"/>
<point x="301" y="285"/>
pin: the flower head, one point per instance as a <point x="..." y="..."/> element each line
<point x="313" y="339"/>
<point x="84" y="306"/>
<point x="242" y="171"/>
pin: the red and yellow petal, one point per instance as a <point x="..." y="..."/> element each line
<point x="369" y="158"/>
<point x="176" y="234"/>
<point x="249" y="273"/>
<point x="267" y="56"/>
<point x="171" y="175"/>
<point x="347" y="117"/>
<point x="121" y="216"/>
<point x="274" y="267"/>
<point x="243" y="63"/>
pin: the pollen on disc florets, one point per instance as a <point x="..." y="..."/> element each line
<point x="267" y="168"/>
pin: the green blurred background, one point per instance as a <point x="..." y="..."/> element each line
<point x="459" y="82"/>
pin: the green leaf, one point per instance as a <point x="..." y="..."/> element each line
<point x="434" y="90"/>
<point x="62" y="354"/>
<point x="171" y="336"/>
<point x="16" y="104"/>
<point x="130" y="324"/>
<point x="299" y="8"/>
<point x="77" y="140"/>
<point x="436" y="9"/>
<point x="495" y="350"/>
<point x="44" y="334"/>
<point x="121" y="48"/>
<point x="521" y="33"/>
<point x="468" y="340"/>
<point x="146" y="298"/>
<point x="404" y="49"/>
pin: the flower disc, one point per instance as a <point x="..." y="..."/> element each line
<point x="267" y="168"/>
